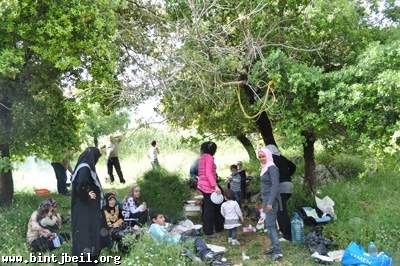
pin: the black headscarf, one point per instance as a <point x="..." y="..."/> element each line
<point x="44" y="208"/>
<point x="90" y="156"/>
<point x="108" y="197"/>
<point x="208" y="147"/>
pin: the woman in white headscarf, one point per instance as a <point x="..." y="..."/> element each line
<point x="286" y="170"/>
<point x="271" y="199"/>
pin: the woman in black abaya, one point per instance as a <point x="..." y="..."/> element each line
<point x="89" y="233"/>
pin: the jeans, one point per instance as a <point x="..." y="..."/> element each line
<point x="270" y="224"/>
<point x="237" y="196"/>
<point x="200" y="247"/>
<point x="61" y="175"/>
<point x="232" y="233"/>
<point x="283" y="218"/>
<point x="114" y="162"/>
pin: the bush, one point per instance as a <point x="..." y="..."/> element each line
<point x="164" y="192"/>
<point x="348" y="166"/>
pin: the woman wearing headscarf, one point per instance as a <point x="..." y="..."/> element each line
<point x="43" y="227"/>
<point x="88" y="225"/>
<point x="286" y="170"/>
<point x="213" y="221"/>
<point x="271" y="199"/>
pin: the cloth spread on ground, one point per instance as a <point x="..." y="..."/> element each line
<point x="312" y="213"/>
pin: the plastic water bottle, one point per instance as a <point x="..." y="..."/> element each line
<point x="297" y="226"/>
<point x="372" y="250"/>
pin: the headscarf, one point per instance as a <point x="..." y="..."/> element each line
<point x="44" y="208"/>
<point x="90" y="156"/>
<point x="108" y="197"/>
<point x="208" y="147"/>
<point x="273" y="149"/>
<point x="270" y="161"/>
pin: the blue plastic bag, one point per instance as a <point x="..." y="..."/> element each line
<point x="355" y="255"/>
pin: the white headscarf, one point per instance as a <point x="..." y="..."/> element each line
<point x="270" y="162"/>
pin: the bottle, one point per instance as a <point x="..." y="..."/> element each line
<point x="372" y="250"/>
<point x="297" y="226"/>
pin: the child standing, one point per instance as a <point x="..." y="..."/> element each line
<point x="235" y="183"/>
<point x="231" y="211"/>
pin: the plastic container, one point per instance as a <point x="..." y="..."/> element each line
<point x="42" y="192"/>
<point x="297" y="226"/>
<point x="372" y="250"/>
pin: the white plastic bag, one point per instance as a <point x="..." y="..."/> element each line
<point x="326" y="205"/>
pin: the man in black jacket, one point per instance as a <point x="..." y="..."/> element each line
<point x="286" y="170"/>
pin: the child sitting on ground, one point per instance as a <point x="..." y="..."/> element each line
<point x="134" y="209"/>
<point x="159" y="233"/>
<point x="114" y="220"/>
<point x="231" y="211"/>
<point x="235" y="183"/>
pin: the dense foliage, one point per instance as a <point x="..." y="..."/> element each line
<point x="164" y="192"/>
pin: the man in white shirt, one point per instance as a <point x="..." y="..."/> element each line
<point x="153" y="155"/>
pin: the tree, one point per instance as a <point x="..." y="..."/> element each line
<point x="269" y="52"/>
<point x="365" y="97"/>
<point x="45" y="48"/>
<point x="96" y="122"/>
<point x="211" y="118"/>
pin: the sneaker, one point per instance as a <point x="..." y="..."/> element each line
<point x="229" y="240"/>
<point x="277" y="257"/>
<point x="269" y="252"/>
<point x="283" y="239"/>
<point x="235" y="242"/>
<point x="221" y="263"/>
<point x="212" y="256"/>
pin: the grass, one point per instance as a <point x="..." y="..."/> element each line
<point x="366" y="205"/>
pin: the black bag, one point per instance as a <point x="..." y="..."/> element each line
<point x="316" y="242"/>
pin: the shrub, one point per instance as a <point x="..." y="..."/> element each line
<point x="164" y="192"/>
<point x="348" y="166"/>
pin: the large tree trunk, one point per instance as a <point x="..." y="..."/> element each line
<point x="265" y="127"/>
<point x="263" y="123"/>
<point x="309" y="162"/>
<point x="248" y="146"/>
<point x="6" y="180"/>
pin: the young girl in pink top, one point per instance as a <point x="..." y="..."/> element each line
<point x="207" y="184"/>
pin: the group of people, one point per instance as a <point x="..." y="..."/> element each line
<point x="111" y="149"/>
<point x="97" y="219"/>
<point x="276" y="189"/>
